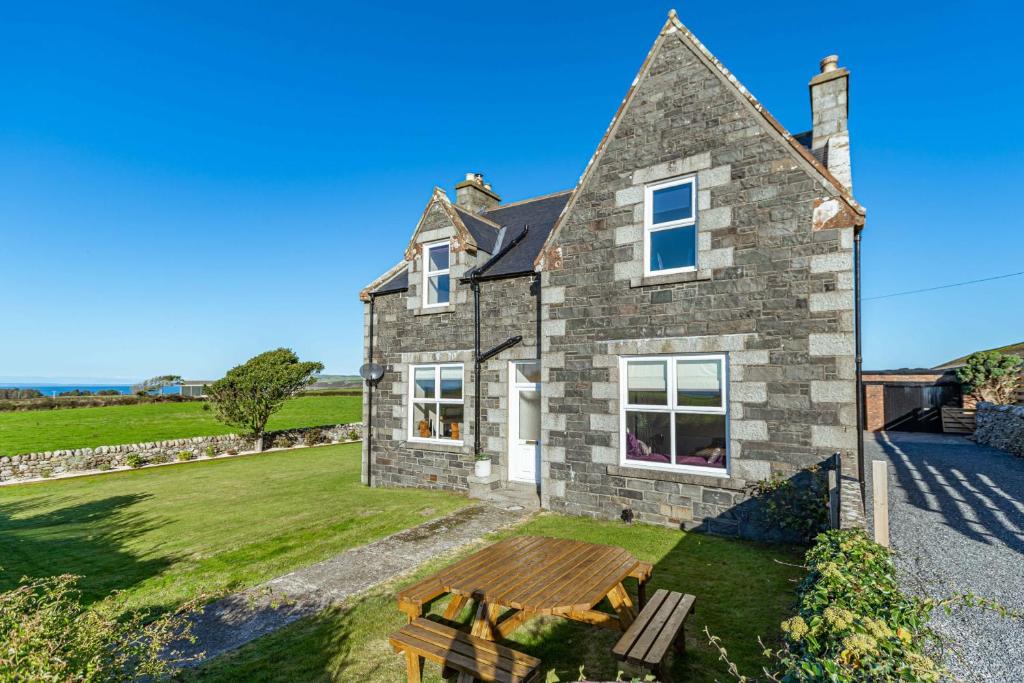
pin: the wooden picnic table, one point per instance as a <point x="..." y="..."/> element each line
<point x="523" y="577"/>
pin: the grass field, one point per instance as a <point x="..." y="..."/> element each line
<point x="743" y="591"/>
<point x="169" y="533"/>
<point x="48" y="430"/>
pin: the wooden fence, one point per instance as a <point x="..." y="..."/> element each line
<point x="958" y="420"/>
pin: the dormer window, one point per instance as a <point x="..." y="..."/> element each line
<point x="436" y="282"/>
<point x="670" y="227"/>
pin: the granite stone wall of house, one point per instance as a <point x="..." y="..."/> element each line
<point x="407" y="334"/>
<point x="1001" y="427"/>
<point x="773" y="291"/>
<point x="46" y="464"/>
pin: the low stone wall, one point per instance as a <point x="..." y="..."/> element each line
<point x="1001" y="427"/>
<point x="52" y="463"/>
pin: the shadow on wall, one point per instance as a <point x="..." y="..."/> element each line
<point x="88" y="540"/>
<point x="790" y="510"/>
<point x="978" y="491"/>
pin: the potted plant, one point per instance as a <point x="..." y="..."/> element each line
<point x="482" y="466"/>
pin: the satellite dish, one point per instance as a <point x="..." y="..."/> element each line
<point x="371" y="372"/>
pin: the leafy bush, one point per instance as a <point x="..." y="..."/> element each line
<point x="184" y="456"/>
<point x="798" y="505"/>
<point x="282" y="441"/>
<point x="854" y="623"/>
<point x="159" y="459"/>
<point x="103" y="466"/>
<point x="312" y="437"/>
<point x="210" y="451"/>
<point x="353" y="435"/>
<point x="46" y="473"/>
<point x="134" y="460"/>
<point x="47" y="635"/>
<point x="992" y="376"/>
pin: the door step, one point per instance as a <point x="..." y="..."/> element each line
<point x="510" y="495"/>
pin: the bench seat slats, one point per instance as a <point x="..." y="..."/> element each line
<point x="660" y="624"/>
<point x="463" y="652"/>
<point x="669" y="631"/>
<point x="625" y="644"/>
<point x="652" y="628"/>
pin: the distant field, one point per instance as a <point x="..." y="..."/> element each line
<point x="49" y="430"/>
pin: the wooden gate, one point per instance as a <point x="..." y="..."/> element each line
<point x="917" y="408"/>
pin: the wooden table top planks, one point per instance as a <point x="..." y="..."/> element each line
<point x="540" y="575"/>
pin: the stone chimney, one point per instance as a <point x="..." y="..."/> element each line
<point x="829" y="117"/>
<point x="473" y="194"/>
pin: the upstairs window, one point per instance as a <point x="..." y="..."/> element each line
<point x="437" y="403"/>
<point x="670" y="227"/>
<point x="436" y="282"/>
<point x="673" y="413"/>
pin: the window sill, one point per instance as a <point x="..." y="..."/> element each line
<point x="716" y="478"/>
<point x="670" y="279"/>
<point x="437" y="445"/>
<point x="433" y="310"/>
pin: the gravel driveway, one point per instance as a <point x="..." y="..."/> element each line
<point x="956" y="520"/>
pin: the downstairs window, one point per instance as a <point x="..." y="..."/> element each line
<point x="673" y="412"/>
<point x="436" y="402"/>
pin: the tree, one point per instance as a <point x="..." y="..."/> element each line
<point x="250" y="393"/>
<point x="156" y="385"/>
<point x="991" y="376"/>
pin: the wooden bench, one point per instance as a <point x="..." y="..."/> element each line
<point x="660" y="624"/>
<point x="470" y="656"/>
<point x="411" y="600"/>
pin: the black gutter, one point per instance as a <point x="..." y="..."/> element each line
<point x="860" y="373"/>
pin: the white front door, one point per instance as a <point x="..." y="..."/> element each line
<point x="524" y="421"/>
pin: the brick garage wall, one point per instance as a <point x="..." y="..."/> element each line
<point x="773" y="293"/>
<point x="406" y="335"/>
<point x="49" y="463"/>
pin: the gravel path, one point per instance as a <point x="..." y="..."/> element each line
<point x="237" y="619"/>
<point x="956" y="518"/>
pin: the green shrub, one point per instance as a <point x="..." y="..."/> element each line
<point x="353" y="435"/>
<point x="159" y="459"/>
<point x="798" y="505"/>
<point x="134" y="460"/>
<point x="210" y="451"/>
<point x="992" y="376"/>
<point x="103" y="466"/>
<point x="312" y="437"/>
<point x="282" y="441"/>
<point x="184" y="456"/>
<point x="854" y="623"/>
<point x="48" y="635"/>
<point x="46" y="473"/>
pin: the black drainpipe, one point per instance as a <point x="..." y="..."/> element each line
<point x="860" y="378"/>
<point x="369" y="403"/>
<point x="537" y="284"/>
<point x="478" y="358"/>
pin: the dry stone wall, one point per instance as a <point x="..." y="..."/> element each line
<point x="1001" y="427"/>
<point x="51" y="463"/>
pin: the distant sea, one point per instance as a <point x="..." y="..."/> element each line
<point x="57" y="389"/>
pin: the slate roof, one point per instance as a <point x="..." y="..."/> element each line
<point x="805" y="139"/>
<point x="540" y="213"/>
<point x="484" y="234"/>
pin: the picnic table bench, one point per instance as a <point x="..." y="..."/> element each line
<point x="659" y="625"/>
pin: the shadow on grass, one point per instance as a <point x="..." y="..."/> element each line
<point x="86" y="539"/>
<point x="743" y="590"/>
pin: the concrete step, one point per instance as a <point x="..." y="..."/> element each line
<point x="510" y="496"/>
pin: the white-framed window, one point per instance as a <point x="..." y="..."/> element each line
<point x="670" y="226"/>
<point x="673" y="412"/>
<point x="436" y="403"/>
<point x="436" y="274"/>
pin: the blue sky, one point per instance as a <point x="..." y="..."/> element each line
<point x="182" y="187"/>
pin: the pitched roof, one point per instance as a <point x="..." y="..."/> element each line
<point x="398" y="283"/>
<point x="540" y="214"/>
<point x="483" y="231"/>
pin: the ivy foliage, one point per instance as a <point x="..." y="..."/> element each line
<point x="798" y="505"/>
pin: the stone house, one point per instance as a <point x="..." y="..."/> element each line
<point x="679" y="325"/>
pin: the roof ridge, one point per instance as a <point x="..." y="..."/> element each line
<point x="531" y="199"/>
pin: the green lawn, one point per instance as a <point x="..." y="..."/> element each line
<point x="743" y="591"/>
<point x="48" y="430"/>
<point x="169" y="533"/>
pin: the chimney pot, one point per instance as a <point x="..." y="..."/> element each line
<point x="830" y="63"/>
<point x="470" y="176"/>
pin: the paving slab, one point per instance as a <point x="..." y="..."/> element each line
<point x="233" y="621"/>
<point x="956" y="522"/>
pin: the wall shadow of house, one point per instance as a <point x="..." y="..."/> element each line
<point x="981" y="498"/>
<point x="86" y="539"/>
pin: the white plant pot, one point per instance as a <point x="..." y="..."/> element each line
<point x="482" y="468"/>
